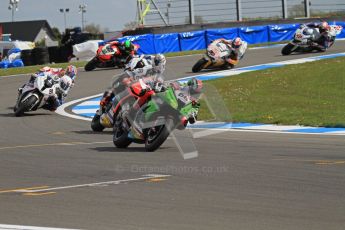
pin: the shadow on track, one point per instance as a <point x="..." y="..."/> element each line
<point x="90" y="132"/>
<point x="25" y="115"/>
<point x="140" y="150"/>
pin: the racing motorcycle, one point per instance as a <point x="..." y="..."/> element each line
<point x="103" y="117"/>
<point x="147" y="117"/>
<point x="107" y="56"/>
<point x="304" y="39"/>
<point x="35" y="95"/>
<point x="215" y="58"/>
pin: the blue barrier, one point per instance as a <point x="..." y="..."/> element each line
<point x="197" y="40"/>
<point x="166" y="43"/>
<point x="145" y="41"/>
<point x="227" y="33"/>
<point x="282" y="32"/>
<point x="194" y="40"/>
<point x="342" y="34"/>
<point x="254" y="34"/>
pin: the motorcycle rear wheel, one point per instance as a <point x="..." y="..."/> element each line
<point x="25" y="106"/>
<point x="96" y="124"/>
<point x="156" y="136"/>
<point x="199" y="65"/>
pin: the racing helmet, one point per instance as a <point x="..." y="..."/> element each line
<point x="71" y="71"/>
<point x="65" y="83"/>
<point x="137" y="67"/>
<point x="195" y="86"/>
<point x="236" y="43"/>
<point x="324" y="26"/>
<point x="128" y="44"/>
<point x="159" y="62"/>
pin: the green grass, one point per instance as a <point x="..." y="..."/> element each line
<point x="306" y="94"/>
<point x="32" y="69"/>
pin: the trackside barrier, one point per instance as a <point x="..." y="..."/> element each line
<point x="167" y="43"/>
<point x="281" y="32"/>
<point x="198" y="40"/>
<point x="227" y="33"/>
<point x="254" y="34"/>
<point x="342" y="34"/>
<point x="195" y="40"/>
<point x="145" y="42"/>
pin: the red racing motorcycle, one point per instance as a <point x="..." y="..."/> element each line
<point x="108" y="56"/>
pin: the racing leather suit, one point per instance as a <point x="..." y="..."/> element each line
<point x="322" y="43"/>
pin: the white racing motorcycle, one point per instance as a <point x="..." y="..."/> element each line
<point x="304" y="38"/>
<point x="36" y="95"/>
<point x="214" y="57"/>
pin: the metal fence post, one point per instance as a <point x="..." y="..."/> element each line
<point x="191" y="12"/>
<point x="239" y="10"/>
<point x="285" y="12"/>
<point x="307" y="8"/>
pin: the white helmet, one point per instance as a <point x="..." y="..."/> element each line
<point x="159" y="63"/>
<point x="138" y="67"/>
<point x="65" y="84"/>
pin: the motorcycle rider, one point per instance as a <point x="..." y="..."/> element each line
<point x="66" y="78"/>
<point x="237" y="47"/>
<point x="126" y="49"/>
<point x="148" y="67"/>
<point x="322" y="43"/>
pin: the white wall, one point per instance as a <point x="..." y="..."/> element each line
<point x="44" y="35"/>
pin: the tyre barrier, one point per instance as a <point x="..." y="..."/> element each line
<point x="64" y="53"/>
<point x="54" y="54"/>
<point x="26" y="56"/>
<point x="40" y="55"/>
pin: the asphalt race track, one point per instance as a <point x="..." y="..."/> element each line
<point x="51" y="169"/>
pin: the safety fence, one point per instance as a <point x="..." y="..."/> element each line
<point x="181" y="12"/>
<point x="198" y="40"/>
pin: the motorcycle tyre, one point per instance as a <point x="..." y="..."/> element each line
<point x="122" y="141"/>
<point x="199" y="65"/>
<point x="161" y="137"/>
<point x="287" y="49"/>
<point x="91" y="65"/>
<point x="25" y="106"/>
<point x="96" y="124"/>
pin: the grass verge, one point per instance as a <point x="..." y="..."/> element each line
<point x="32" y="69"/>
<point x="306" y="94"/>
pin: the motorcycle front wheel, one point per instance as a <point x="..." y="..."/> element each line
<point x="91" y="65"/>
<point x="156" y="136"/>
<point x="25" y="106"/>
<point x="120" y="136"/>
<point x="287" y="50"/>
<point x="199" y="65"/>
<point x="96" y="124"/>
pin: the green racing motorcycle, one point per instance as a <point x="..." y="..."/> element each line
<point x="147" y="116"/>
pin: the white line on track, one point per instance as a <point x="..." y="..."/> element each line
<point x="21" y="227"/>
<point x="61" y="109"/>
<point x="115" y="182"/>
